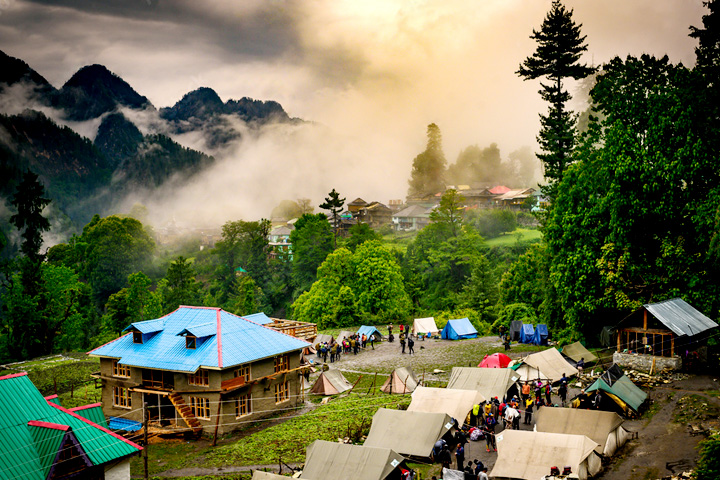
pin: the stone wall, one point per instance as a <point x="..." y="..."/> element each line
<point x="643" y="363"/>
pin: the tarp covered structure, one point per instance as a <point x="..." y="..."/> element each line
<point x="401" y="380"/>
<point x="406" y="432"/>
<point x="423" y="326"/>
<point x="456" y="403"/>
<point x="458" y="329"/>
<point x="576" y="351"/>
<point x="540" y="337"/>
<point x="603" y="428"/>
<point x="628" y="396"/>
<point x="550" y="363"/>
<point x="528" y="373"/>
<point x="490" y="382"/>
<point x="515" y="329"/>
<point x="330" y="382"/>
<point x="496" y="360"/>
<point x="529" y="455"/>
<point x="527" y="333"/>
<point x="341" y="461"/>
<point x="370" y="331"/>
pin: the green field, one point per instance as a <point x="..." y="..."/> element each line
<point x="521" y="235"/>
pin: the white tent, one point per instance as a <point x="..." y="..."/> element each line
<point x="401" y="380"/>
<point x="603" y="428"/>
<point x="259" y="475"/>
<point x="344" y="334"/>
<point x="423" y="326"/>
<point x="456" y="403"/>
<point x="330" y="382"/>
<point x="550" y="363"/>
<point x="529" y="455"/>
<point x="490" y="382"/>
<point x="341" y="461"/>
<point x="408" y="433"/>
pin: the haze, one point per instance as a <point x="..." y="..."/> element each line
<point x="370" y="74"/>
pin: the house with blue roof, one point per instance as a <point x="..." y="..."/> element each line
<point x="200" y="368"/>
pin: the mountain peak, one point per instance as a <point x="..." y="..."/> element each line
<point x="94" y="90"/>
<point x="14" y="70"/>
<point x="201" y="103"/>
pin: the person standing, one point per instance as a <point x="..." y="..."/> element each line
<point x="489" y="425"/>
<point x="364" y="340"/>
<point x="548" y="392"/>
<point x="444" y="457"/>
<point x="459" y="456"/>
<point x="483" y="474"/>
<point x="372" y="341"/>
<point x="562" y="391"/>
<point x="411" y="344"/>
<point x="525" y="391"/>
<point x="529" y="404"/>
<point x="581" y="366"/>
<point x="402" y="342"/>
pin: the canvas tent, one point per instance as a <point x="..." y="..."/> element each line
<point x="496" y="360"/>
<point x="344" y="334"/>
<point x="330" y="382"/>
<point x="490" y="382"/>
<point x="401" y="380"/>
<point x="540" y="337"/>
<point x="529" y="455"/>
<point x="515" y="329"/>
<point x="623" y="392"/>
<point x="258" y="475"/>
<point x="603" y="428"/>
<point x="350" y="462"/>
<point x="458" y="330"/>
<point x="370" y="332"/>
<point x="456" y="403"/>
<point x="550" y="363"/>
<point x="408" y="433"/>
<point x="322" y="338"/>
<point x="423" y="326"/>
<point x="527" y="333"/>
<point x="576" y="351"/>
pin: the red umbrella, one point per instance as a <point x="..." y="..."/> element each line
<point x="496" y="360"/>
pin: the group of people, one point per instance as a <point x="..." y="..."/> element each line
<point x="474" y="470"/>
<point x="348" y="344"/>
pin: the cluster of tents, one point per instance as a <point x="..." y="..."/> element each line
<point x="528" y="333"/>
<point x="457" y="329"/>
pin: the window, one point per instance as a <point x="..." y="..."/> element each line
<point x="122" y="397"/>
<point x="201" y="378"/>
<point x="120" y="370"/>
<point x="282" y="363"/>
<point x="190" y="342"/>
<point x="137" y="337"/>
<point x="200" y="407"/>
<point x="243" y="371"/>
<point x="282" y="391"/>
<point x="243" y="405"/>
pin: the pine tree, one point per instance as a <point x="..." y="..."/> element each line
<point x="560" y="46"/>
<point x="334" y="203"/>
<point x="428" y="172"/>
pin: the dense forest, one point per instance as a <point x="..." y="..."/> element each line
<point x="632" y="215"/>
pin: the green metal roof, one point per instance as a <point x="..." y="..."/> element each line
<point x="32" y="430"/>
<point x="93" y="413"/>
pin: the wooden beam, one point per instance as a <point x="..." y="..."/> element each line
<point x="645" y="319"/>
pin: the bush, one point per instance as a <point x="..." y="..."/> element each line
<point x="708" y="467"/>
<point x="493" y="223"/>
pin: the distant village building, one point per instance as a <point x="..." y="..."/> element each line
<point x="412" y="218"/>
<point x="376" y="215"/>
<point x="279" y="241"/>
<point x="200" y="369"/>
<point x="40" y="439"/>
<point x="356" y="205"/>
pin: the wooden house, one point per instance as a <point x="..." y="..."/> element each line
<point x="200" y="369"/>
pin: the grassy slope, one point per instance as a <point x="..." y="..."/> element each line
<point x="521" y="235"/>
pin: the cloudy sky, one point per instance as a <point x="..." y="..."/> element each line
<point x="374" y="72"/>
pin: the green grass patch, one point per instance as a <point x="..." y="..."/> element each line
<point x="57" y="373"/>
<point x="519" y="236"/>
<point x="349" y="416"/>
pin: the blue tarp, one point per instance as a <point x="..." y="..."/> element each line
<point x="540" y="337"/>
<point x="117" y="423"/>
<point x="369" y="331"/>
<point x="458" y="329"/>
<point x="527" y="333"/>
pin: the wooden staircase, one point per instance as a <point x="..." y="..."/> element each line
<point x="185" y="412"/>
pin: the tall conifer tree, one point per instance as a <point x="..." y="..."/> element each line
<point x="428" y="172"/>
<point x="560" y="46"/>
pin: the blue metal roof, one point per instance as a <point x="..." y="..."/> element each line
<point x="204" y="330"/>
<point x="260" y="318"/>
<point x="147" y="326"/>
<point x="234" y="341"/>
